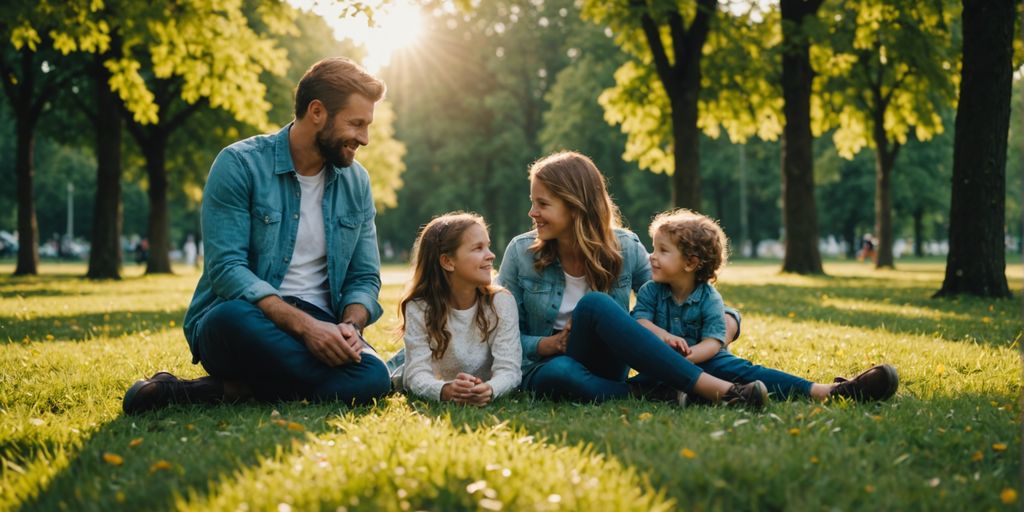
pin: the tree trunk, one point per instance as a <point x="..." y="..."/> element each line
<point x="799" y="213"/>
<point x="850" y="236"/>
<point x="105" y="256"/>
<point x="686" y="150"/>
<point x="976" y="263"/>
<point x="24" y="168"/>
<point x="155" y="150"/>
<point x="919" y="232"/>
<point x="884" y="158"/>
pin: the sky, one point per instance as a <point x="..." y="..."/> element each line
<point x="397" y="25"/>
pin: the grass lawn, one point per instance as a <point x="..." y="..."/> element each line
<point x="950" y="439"/>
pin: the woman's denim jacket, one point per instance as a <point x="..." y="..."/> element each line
<point x="539" y="295"/>
<point x="250" y="218"/>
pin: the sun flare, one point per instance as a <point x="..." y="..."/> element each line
<point x="397" y="24"/>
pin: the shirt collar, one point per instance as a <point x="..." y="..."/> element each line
<point x="283" y="155"/>
<point x="695" y="297"/>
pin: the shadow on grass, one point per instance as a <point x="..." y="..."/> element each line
<point x="173" y="452"/>
<point x="87" y="326"/>
<point x="875" y="304"/>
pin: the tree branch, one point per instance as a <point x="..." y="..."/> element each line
<point x="661" y="63"/>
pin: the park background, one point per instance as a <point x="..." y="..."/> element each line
<point x="122" y="106"/>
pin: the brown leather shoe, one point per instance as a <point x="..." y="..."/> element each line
<point x="753" y="395"/>
<point x="876" y="383"/>
<point x="163" y="389"/>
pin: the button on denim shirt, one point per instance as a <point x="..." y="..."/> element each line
<point x="250" y="218"/>
<point x="700" y="316"/>
<point x="539" y="295"/>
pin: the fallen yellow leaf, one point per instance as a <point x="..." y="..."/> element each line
<point x="159" y="466"/>
<point x="113" y="459"/>
<point x="296" y="427"/>
<point x="688" y="453"/>
<point x="977" y="456"/>
<point x="999" y="447"/>
<point x="794" y="431"/>
<point x="869" y="488"/>
<point x="644" y="416"/>
<point x="1008" y="496"/>
<point x="135" y="442"/>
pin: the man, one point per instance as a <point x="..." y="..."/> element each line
<point x="292" y="269"/>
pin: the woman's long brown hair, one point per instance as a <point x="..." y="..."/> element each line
<point x="431" y="283"/>
<point x="574" y="179"/>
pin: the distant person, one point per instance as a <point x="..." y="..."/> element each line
<point x="461" y="332"/>
<point x="190" y="250"/>
<point x="867" y="249"/>
<point x="682" y="307"/>
<point x="142" y="251"/>
<point x="571" y="277"/>
<point x="292" y="272"/>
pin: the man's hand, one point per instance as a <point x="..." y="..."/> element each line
<point x="328" y="343"/>
<point x="352" y="337"/>
<point x="677" y="343"/>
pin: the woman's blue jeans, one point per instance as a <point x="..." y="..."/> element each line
<point x="235" y="341"/>
<point x="605" y="342"/>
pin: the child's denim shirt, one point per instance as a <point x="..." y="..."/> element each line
<point x="539" y="295"/>
<point x="700" y="316"/>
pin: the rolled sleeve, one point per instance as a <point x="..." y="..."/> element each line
<point x="713" y="311"/>
<point x="226" y="227"/>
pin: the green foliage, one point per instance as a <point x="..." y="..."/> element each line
<point x="383" y="158"/>
<point x="736" y="92"/>
<point x="948" y="440"/>
<point x="885" y="58"/>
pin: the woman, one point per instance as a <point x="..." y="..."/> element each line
<point x="571" y="279"/>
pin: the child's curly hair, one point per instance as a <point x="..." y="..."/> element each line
<point x="696" y="235"/>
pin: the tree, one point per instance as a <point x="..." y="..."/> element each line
<point x="976" y="263"/>
<point x="678" y="68"/>
<point x="186" y="57"/>
<point x="884" y="72"/>
<point x="799" y="211"/>
<point x="31" y="80"/>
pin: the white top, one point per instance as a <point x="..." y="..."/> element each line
<point x="575" y="289"/>
<point x="306" y="277"/>
<point x="495" y="360"/>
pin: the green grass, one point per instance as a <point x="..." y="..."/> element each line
<point x="951" y="439"/>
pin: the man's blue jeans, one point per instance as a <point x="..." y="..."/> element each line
<point x="604" y="343"/>
<point x="235" y="341"/>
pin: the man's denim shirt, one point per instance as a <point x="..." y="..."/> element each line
<point x="700" y="316"/>
<point x="539" y="295"/>
<point x="250" y="218"/>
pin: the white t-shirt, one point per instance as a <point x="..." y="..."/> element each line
<point x="306" y="277"/>
<point x="575" y="289"/>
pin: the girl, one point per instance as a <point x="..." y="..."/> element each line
<point x="681" y="307"/>
<point x="461" y="332"/>
<point x="571" y="279"/>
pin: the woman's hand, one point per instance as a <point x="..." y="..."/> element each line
<point x="554" y="344"/>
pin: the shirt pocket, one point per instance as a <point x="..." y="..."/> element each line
<point x="265" y="229"/>
<point x="537" y="299"/>
<point x="346" y="237"/>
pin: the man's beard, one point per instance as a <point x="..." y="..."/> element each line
<point x="332" y="150"/>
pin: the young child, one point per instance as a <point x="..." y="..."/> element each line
<point x="461" y="332"/>
<point x="681" y="306"/>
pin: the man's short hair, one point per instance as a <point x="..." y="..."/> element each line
<point x="332" y="81"/>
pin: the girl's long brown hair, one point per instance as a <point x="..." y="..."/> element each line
<point x="431" y="283"/>
<point x="574" y="179"/>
